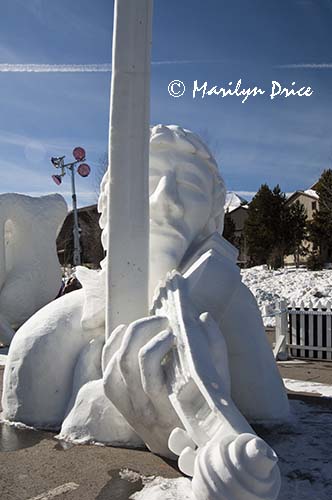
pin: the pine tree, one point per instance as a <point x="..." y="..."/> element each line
<point x="259" y="231"/>
<point x="268" y="227"/>
<point x="320" y="229"/>
<point x="280" y="215"/>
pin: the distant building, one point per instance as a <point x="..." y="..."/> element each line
<point x="236" y="208"/>
<point x="90" y="238"/>
<point x="310" y="200"/>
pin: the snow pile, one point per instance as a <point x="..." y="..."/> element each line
<point x="303" y="447"/>
<point x="291" y="284"/>
<point x="309" y="387"/>
<point x="165" y="489"/>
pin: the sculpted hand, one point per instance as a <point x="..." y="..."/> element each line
<point x="134" y="380"/>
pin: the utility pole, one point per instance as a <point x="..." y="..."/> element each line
<point x="83" y="170"/>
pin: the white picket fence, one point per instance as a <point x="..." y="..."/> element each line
<point x="303" y="331"/>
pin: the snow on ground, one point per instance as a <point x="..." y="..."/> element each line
<point x="292" y="284"/>
<point x="165" y="489"/>
<point x="310" y="387"/>
<point x="303" y="446"/>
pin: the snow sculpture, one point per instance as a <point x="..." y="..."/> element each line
<point x="181" y="381"/>
<point x="28" y="230"/>
<point x="176" y="380"/>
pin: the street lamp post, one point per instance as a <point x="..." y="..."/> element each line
<point x="83" y="170"/>
<point x="76" y="229"/>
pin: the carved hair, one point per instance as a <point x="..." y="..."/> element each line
<point x="180" y="139"/>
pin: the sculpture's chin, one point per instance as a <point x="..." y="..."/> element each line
<point x="167" y="248"/>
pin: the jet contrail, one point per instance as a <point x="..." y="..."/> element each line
<point x="83" y="68"/>
<point x="55" y="68"/>
<point x="306" y="66"/>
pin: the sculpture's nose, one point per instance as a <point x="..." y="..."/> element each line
<point x="165" y="204"/>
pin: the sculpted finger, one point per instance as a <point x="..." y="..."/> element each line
<point x="115" y="387"/>
<point x="178" y="440"/>
<point x="112" y="345"/>
<point x="150" y="359"/>
<point x="137" y="335"/>
<point x="187" y="460"/>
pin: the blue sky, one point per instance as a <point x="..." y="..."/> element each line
<point x="286" y="141"/>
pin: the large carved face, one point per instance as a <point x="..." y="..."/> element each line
<point x="183" y="181"/>
<point x="186" y="197"/>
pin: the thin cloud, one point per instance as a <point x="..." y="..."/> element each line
<point x="87" y="68"/>
<point x="306" y="66"/>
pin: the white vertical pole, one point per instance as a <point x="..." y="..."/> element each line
<point x="128" y="200"/>
<point x="294" y="341"/>
<point x="3" y="218"/>
<point x="328" y="330"/>
<point x="311" y="330"/>
<point x="302" y="325"/>
<point x="281" y="331"/>
<point x="2" y="252"/>
<point x="319" y="330"/>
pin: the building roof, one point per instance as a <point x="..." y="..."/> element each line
<point x="308" y="192"/>
<point x="233" y="201"/>
<point x="87" y="208"/>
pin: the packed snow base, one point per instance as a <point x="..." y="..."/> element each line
<point x="269" y="286"/>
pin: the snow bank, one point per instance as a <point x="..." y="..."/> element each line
<point x="292" y="284"/>
<point x="309" y="387"/>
